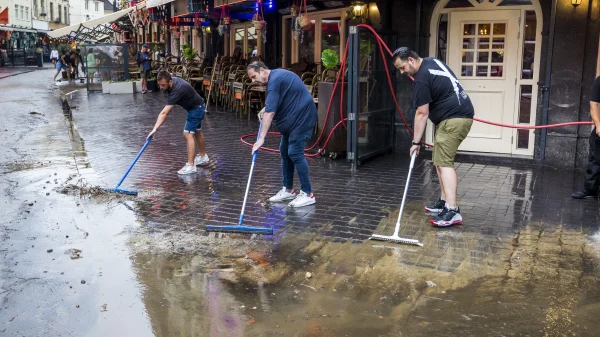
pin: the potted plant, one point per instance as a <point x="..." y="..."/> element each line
<point x="259" y="22"/>
<point x="329" y="58"/>
<point x="188" y="52"/>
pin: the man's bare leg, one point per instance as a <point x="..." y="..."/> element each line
<point x="191" y="147"/>
<point x="439" y="174"/>
<point x="200" y="141"/>
<point x="449" y="183"/>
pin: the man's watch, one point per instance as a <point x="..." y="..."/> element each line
<point x="419" y="143"/>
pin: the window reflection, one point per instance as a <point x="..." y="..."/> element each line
<point x="529" y="45"/>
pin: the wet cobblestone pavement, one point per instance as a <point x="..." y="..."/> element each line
<point x="496" y="201"/>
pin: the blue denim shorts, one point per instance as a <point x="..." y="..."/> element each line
<point x="60" y="66"/>
<point x="193" y="122"/>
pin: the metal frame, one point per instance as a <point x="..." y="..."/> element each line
<point x="352" y="107"/>
<point x="358" y="153"/>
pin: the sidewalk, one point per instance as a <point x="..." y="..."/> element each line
<point x="10" y="71"/>
<point x="496" y="201"/>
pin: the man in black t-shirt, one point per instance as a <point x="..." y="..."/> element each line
<point x="592" y="173"/>
<point x="438" y="95"/>
<point x="183" y="94"/>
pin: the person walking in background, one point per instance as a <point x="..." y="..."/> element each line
<point x="54" y="55"/>
<point x="145" y="64"/>
<point x="92" y="65"/>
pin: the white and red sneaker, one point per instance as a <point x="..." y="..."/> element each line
<point x="302" y="200"/>
<point x="283" y="195"/>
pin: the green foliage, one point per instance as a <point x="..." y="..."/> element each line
<point x="329" y="58"/>
<point x="188" y="52"/>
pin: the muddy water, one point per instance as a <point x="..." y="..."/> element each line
<point x="537" y="283"/>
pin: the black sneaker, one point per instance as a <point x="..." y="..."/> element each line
<point x="448" y="217"/>
<point x="437" y="207"/>
<point x="583" y="194"/>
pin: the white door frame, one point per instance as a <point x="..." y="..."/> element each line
<point x="487" y="6"/>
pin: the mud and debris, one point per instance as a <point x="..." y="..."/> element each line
<point x="74" y="253"/>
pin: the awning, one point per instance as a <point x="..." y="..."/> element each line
<point x="15" y="29"/>
<point x="156" y="3"/>
<point x="93" y="29"/>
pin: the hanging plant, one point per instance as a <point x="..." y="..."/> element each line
<point x="294" y="9"/>
<point x="258" y="19"/>
<point x="303" y="19"/>
<point x="258" y="22"/>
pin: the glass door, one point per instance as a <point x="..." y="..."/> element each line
<point x="245" y="39"/>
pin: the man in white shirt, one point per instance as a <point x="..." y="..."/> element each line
<point x="54" y="55"/>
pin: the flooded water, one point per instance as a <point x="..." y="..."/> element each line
<point x="546" y="284"/>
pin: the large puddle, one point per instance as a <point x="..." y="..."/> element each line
<point x="541" y="283"/>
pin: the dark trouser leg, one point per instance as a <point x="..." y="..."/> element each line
<point x="296" y="153"/>
<point x="592" y="173"/>
<point x="287" y="165"/>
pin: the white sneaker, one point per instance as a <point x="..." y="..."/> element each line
<point x="302" y="200"/>
<point x="282" y="195"/>
<point x="201" y="160"/>
<point x="187" y="169"/>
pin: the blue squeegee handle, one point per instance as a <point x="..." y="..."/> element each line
<point x="249" y="179"/>
<point x="134" y="161"/>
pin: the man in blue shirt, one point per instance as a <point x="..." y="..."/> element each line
<point x="292" y="108"/>
<point x="145" y="68"/>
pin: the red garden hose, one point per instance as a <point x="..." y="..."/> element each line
<point x="381" y="45"/>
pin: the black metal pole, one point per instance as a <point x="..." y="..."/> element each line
<point x="352" y="108"/>
<point x="547" y="82"/>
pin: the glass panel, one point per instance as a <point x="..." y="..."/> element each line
<point x="238" y="44"/>
<point x="483" y="43"/>
<point x="442" y="37"/>
<point x="499" y="28"/>
<point x="469" y="43"/>
<point x="496" y="71"/>
<point x="529" y="45"/>
<point x="522" y="139"/>
<point x="525" y="104"/>
<point x="252" y="41"/>
<point x="467" y="56"/>
<point x="466" y="71"/>
<point x="515" y="2"/>
<point x="483" y="29"/>
<point x="330" y="35"/>
<point x="482" y="71"/>
<point x="306" y="45"/>
<point x="483" y="56"/>
<point x="458" y="4"/>
<point x="469" y="29"/>
<point x="498" y="43"/>
<point x="498" y="56"/>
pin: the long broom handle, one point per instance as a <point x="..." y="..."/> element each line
<point x="249" y="179"/>
<point x="212" y="77"/>
<point x="412" y="164"/>
<point x="134" y="161"/>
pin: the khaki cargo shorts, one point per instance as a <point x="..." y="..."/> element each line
<point x="448" y="136"/>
